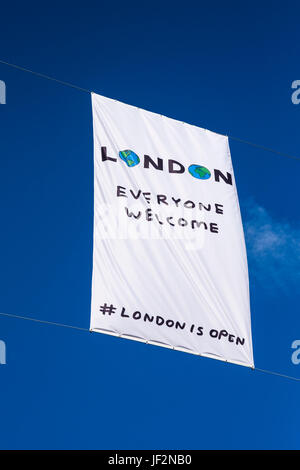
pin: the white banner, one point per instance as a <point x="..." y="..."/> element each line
<point x="169" y="260"/>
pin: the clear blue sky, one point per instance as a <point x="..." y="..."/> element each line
<point x="225" y="66"/>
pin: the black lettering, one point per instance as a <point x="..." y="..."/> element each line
<point x="147" y="197"/>
<point x="177" y="201"/>
<point x="123" y="313"/>
<point x="213" y="333"/>
<point x="204" y="207"/>
<point x="223" y="333"/>
<point x="131" y="214"/>
<point x="214" y="227"/>
<point x="161" y="198"/>
<point x="240" y="341"/>
<point x="149" y="215"/>
<point x="121" y="191"/>
<point x="189" y="204"/>
<point x="137" y="194"/>
<point x="182" y="222"/>
<point x="198" y="224"/>
<point x="159" y="221"/>
<point x="219" y="208"/>
<point x="219" y="174"/>
<point x="148" y="317"/>
<point x="171" y="164"/>
<point x="180" y="325"/>
<point x="104" y="155"/>
<point x="157" y="166"/>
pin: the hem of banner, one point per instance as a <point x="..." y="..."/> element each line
<point x="168" y="346"/>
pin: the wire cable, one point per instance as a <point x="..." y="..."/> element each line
<point x="11" y="315"/>
<point x="71" y="85"/>
<point x="47" y="77"/>
<point x="270" y="372"/>
<point x="262" y="147"/>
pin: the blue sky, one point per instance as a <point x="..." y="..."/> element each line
<point x="226" y="66"/>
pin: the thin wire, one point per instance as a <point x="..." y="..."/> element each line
<point x="45" y="76"/>
<point x="71" y="85"/>
<point x="11" y="315"/>
<point x="270" y="372"/>
<point x="262" y="147"/>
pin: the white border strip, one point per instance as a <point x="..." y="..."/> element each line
<point x="168" y="346"/>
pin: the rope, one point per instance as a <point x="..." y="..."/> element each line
<point x="11" y="315"/>
<point x="262" y="147"/>
<point x="270" y="372"/>
<point x="71" y="85"/>
<point x="45" y="76"/>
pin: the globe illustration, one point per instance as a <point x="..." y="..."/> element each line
<point x="129" y="157"/>
<point x="199" y="172"/>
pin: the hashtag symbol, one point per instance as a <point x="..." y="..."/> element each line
<point x="105" y="309"/>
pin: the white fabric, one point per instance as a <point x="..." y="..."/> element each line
<point x="191" y="279"/>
